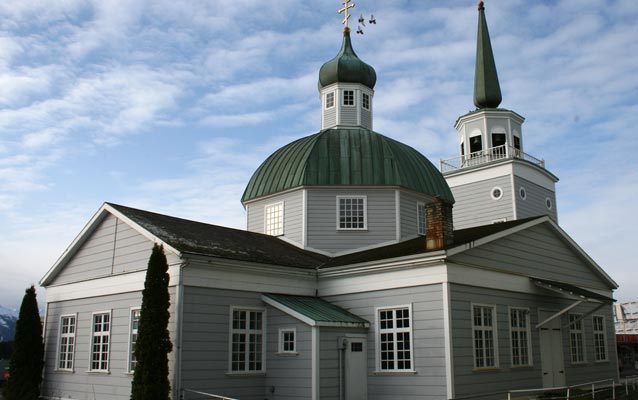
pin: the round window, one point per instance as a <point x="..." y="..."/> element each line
<point x="522" y="193"/>
<point x="548" y="203"/>
<point x="497" y="193"/>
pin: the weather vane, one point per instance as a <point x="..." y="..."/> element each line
<point x="346" y="6"/>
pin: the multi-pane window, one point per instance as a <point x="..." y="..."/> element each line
<point x="100" y="341"/>
<point x="287" y="340"/>
<point x="352" y="212"/>
<point x="394" y="338"/>
<point x="600" y="339"/>
<point x="348" y="97"/>
<point x="420" y="214"/>
<point x="330" y="99"/>
<point x="135" y="324"/>
<point x="365" y="100"/>
<point x="484" y="336"/>
<point x="576" y="338"/>
<point x="520" y="336"/>
<point x="275" y="219"/>
<point x="247" y="341"/>
<point x="67" y="342"/>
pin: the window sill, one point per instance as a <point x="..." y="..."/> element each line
<point x="522" y="367"/>
<point x="239" y="374"/>
<point x="601" y="362"/>
<point x="287" y="354"/>
<point x="352" y="229"/>
<point x="580" y="364"/>
<point x="64" y="371"/>
<point x="490" y="369"/>
<point x="98" y="372"/>
<point x="406" y="372"/>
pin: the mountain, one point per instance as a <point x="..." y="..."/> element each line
<point x="8" y="318"/>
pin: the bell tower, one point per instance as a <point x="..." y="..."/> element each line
<point x="493" y="179"/>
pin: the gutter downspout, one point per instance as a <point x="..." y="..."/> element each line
<point x="316" y="365"/>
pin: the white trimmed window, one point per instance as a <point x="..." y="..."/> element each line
<point x="66" y="349"/>
<point x="288" y="340"/>
<point x="520" y="337"/>
<point x="576" y="338"/>
<point x="100" y="341"/>
<point x="365" y="101"/>
<point x="484" y="336"/>
<point x="394" y="339"/>
<point x="247" y="340"/>
<point x="135" y="324"/>
<point x="330" y="100"/>
<point x="274" y="214"/>
<point x="600" y="338"/>
<point x="348" y="97"/>
<point x="420" y="218"/>
<point x="351" y="212"/>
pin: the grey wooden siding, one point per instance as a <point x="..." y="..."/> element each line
<point x="505" y="377"/>
<point x="205" y="342"/>
<point x="366" y="117"/>
<point x="429" y="342"/>
<point x="536" y="251"/>
<point x="293" y="214"/>
<point x="113" y="248"/>
<point x="534" y="204"/>
<point x="322" y="219"/>
<point x="290" y="375"/>
<point x="348" y="114"/>
<point x="83" y="385"/>
<point x="408" y="201"/>
<point x="474" y="204"/>
<point x="330" y="116"/>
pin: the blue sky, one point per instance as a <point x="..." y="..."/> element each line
<point x="170" y="106"/>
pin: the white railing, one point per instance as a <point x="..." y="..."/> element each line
<point x="595" y="390"/>
<point x="485" y="156"/>
<point x="209" y="395"/>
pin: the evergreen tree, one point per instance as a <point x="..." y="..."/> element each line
<point x="27" y="356"/>
<point x="150" y="381"/>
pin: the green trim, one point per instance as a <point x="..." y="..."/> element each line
<point x="321" y="312"/>
<point x="347" y="157"/>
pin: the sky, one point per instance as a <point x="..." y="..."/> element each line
<point x="171" y="105"/>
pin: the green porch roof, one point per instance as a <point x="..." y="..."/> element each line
<point x="316" y="309"/>
<point x="348" y="157"/>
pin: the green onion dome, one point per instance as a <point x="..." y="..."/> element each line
<point x="347" y="157"/>
<point x="347" y="67"/>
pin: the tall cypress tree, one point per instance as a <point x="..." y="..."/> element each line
<point x="27" y="357"/>
<point x="150" y="381"/>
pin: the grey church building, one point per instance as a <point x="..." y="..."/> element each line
<point x="365" y="271"/>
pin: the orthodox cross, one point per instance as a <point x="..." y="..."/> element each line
<point x="346" y="6"/>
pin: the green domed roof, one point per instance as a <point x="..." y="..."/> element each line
<point x="349" y="157"/>
<point x="347" y="67"/>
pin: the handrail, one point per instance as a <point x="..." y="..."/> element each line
<point x="210" y="395"/>
<point x="501" y="152"/>
<point x="612" y="384"/>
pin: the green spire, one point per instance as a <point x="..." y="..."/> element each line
<point x="487" y="92"/>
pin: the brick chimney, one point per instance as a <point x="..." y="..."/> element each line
<point x="439" y="229"/>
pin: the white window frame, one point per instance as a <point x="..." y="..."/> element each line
<point x="394" y="330"/>
<point x="343" y="98"/>
<point x="282" y="332"/>
<point x="600" y="332"/>
<point x="130" y="338"/>
<point x="365" y="212"/>
<point x="363" y="101"/>
<point x="493" y="329"/>
<point x="420" y="204"/>
<point x="527" y="330"/>
<point x="267" y="228"/>
<point x="103" y="334"/>
<point x="247" y="331"/>
<point x="67" y="336"/>
<point x="327" y="107"/>
<point x="492" y="193"/>
<point x="574" y="331"/>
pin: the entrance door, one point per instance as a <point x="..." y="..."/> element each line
<point x="552" y="363"/>
<point x="356" y="369"/>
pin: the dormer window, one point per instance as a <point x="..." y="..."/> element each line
<point x="420" y="213"/>
<point x="365" y="101"/>
<point x="348" y="97"/>
<point x="330" y="100"/>
<point x="351" y="213"/>
<point x="274" y="219"/>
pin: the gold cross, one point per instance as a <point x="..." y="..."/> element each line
<point x="346" y="7"/>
